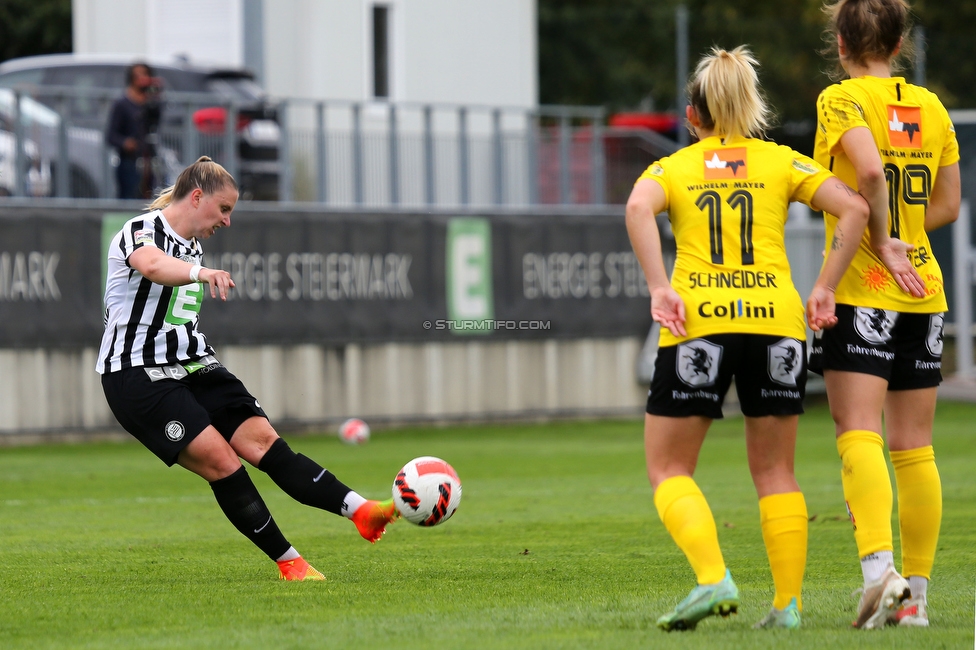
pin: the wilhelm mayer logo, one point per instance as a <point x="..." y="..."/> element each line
<point x="725" y="163"/>
<point x="905" y="127"/>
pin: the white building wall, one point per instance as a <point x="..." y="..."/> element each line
<point x="471" y="52"/>
<point x="449" y="51"/>
<point x="109" y="26"/>
<point x="314" y="48"/>
<point x="210" y="31"/>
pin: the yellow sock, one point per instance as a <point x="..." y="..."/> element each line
<point x="686" y="515"/>
<point x="919" y="508"/>
<point x="867" y="489"/>
<point x="784" y="528"/>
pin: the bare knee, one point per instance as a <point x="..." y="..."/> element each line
<point x="660" y="474"/>
<point x="671" y="446"/>
<point x="253" y="439"/>
<point x="771" y="447"/>
<point x="769" y="472"/>
<point x="775" y="479"/>
<point x="209" y="456"/>
<point x="856" y="400"/>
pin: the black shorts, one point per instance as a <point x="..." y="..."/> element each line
<point x="691" y="378"/>
<point x="901" y="347"/>
<point x="165" y="414"/>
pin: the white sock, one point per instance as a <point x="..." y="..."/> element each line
<point x="873" y="566"/>
<point x="919" y="586"/>
<point x="290" y="554"/>
<point x="351" y="503"/>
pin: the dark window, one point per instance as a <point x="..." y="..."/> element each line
<point x="96" y="85"/>
<point x="236" y="88"/>
<point x="182" y="81"/>
<point x="21" y="78"/>
<point x="381" y="51"/>
<point x="86" y="76"/>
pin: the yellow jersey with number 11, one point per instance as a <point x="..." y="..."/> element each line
<point x="915" y="137"/>
<point x="727" y="201"/>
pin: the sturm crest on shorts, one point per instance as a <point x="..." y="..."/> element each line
<point x="933" y="341"/>
<point x="175" y="430"/>
<point x="784" y="361"/>
<point x="698" y="362"/>
<point x="874" y="325"/>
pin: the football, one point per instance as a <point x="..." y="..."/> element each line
<point x="354" y="432"/>
<point x="427" y="491"/>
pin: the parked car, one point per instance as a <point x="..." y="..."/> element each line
<point x="34" y="178"/>
<point x="85" y="158"/>
<point x="193" y="98"/>
<point x="37" y="180"/>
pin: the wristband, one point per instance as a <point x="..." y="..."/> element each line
<point x="195" y="273"/>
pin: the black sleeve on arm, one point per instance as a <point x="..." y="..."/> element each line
<point x="114" y="135"/>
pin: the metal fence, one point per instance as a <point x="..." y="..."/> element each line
<point x="339" y="153"/>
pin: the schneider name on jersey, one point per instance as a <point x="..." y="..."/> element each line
<point x="728" y="202"/>
<point x="149" y="324"/>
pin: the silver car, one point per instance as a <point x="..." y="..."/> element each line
<point x="40" y="127"/>
<point x="32" y="176"/>
<point x="193" y="117"/>
<point x="88" y="161"/>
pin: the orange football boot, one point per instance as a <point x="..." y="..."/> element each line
<point x="372" y="517"/>
<point x="298" y="569"/>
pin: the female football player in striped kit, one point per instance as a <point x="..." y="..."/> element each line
<point x="895" y="143"/>
<point x="166" y="387"/>
<point x="731" y="309"/>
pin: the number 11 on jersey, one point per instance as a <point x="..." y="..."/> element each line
<point x="740" y="200"/>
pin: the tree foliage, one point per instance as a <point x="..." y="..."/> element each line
<point x="34" y="27"/>
<point x="950" y="49"/>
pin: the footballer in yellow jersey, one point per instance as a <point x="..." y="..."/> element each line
<point x="882" y="359"/>
<point x="915" y="137"/>
<point x="727" y="201"/>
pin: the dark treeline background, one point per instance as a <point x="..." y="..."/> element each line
<point x="621" y="53"/>
<point x="34" y="27"/>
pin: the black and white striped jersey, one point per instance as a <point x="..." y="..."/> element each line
<point x="149" y="324"/>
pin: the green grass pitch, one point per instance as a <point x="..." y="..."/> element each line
<point x="556" y="545"/>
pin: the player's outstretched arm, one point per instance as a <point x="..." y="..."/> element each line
<point x="158" y="267"/>
<point x="943" y="207"/>
<point x="852" y="212"/>
<point x="646" y="200"/>
<point x="859" y="145"/>
<point x="668" y="309"/>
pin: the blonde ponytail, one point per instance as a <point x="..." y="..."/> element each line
<point x="204" y="174"/>
<point x="726" y="95"/>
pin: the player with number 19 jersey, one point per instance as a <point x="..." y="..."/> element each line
<point x="915" y="137"/>
<point x="149" y="324"/>
<point x="727" y="200"/>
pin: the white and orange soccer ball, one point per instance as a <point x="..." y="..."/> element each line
<point x="427" y="491"/>
<point x="354" y="432"/>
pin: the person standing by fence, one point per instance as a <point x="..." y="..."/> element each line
<point x="132" y="121"/>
